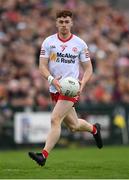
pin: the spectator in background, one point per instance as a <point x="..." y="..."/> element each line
<point x="105" y="29"/>
<point x="5" y="112"/>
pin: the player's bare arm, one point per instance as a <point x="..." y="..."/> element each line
<point x="43" y="67"/>
<point x="87" y="67"/>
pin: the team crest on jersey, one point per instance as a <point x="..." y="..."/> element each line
<point x="53" y="56"/>
<point x="63" y="47"/>
<point x="75" y="50"/>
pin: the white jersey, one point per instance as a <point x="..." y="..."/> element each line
<point x="64" y="56"/>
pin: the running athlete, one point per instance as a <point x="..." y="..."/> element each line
<point x="60" y="57"/>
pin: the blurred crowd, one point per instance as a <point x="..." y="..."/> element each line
<point x="24" y="24"/>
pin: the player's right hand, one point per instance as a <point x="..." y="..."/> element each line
<point x="56" y="83"/>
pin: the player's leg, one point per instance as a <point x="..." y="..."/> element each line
<point x="61" y="109"/>
<point x="76" y="124"/>
<point x="59" y="112"/>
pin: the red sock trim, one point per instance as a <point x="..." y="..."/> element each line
<point x="44" y="153"/>
<point x="94" y="130"/>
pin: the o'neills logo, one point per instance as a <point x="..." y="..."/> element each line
<point x="67" y="55"/>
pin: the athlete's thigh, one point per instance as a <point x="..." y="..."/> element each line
<point x="71" y="119"/>
<point x="61" y="109"/>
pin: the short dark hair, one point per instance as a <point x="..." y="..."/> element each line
<point x="64" y="13"/>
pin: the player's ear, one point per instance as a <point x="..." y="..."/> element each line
<point x="56" y="23"/>
<point x="71" y="23"/>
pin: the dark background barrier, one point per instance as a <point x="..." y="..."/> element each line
<point x="114" y="119"/>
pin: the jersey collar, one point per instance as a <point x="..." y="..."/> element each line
<point x="64" y="40"/>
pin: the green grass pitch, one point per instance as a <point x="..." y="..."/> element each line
<point x="69" y="163"/>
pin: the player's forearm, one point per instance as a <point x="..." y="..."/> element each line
<point x="46" y="74"/>
<point x="87" y="74"/>
<point x="86" y="78"/>
<point x="44" y="71"/>
<point x="43" y="68"/>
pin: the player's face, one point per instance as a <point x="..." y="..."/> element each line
<point x="64" y="24"/>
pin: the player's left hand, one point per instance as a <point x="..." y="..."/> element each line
<point x="80" y="90"/>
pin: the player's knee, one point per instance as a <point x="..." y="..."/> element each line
<point x="55" y="121"/>
<point x="73" y="128"/>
